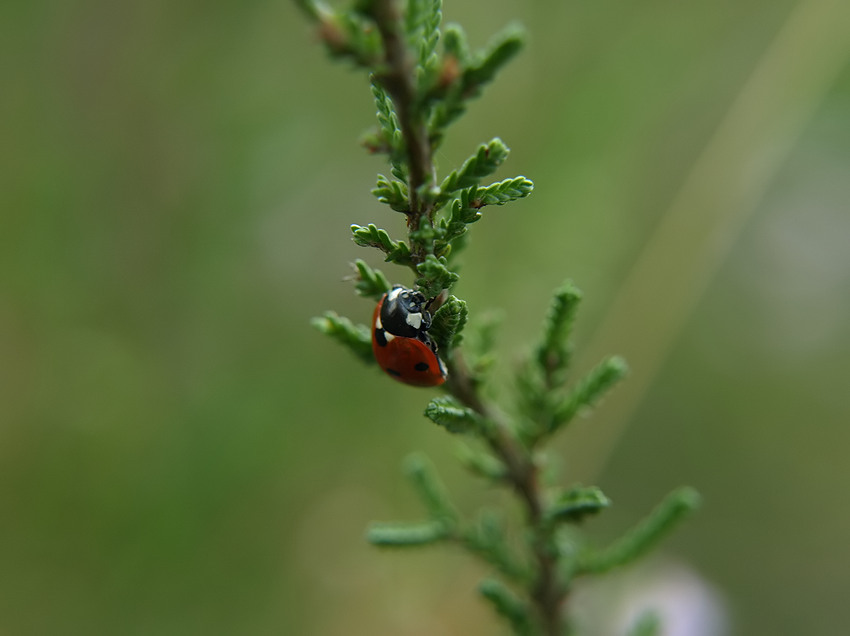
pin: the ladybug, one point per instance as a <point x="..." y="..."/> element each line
<point x="400" y="339"/>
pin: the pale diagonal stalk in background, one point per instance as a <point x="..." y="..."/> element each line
<point x="719" y="195"/>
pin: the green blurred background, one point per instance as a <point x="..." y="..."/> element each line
<point x="180" y="453"/>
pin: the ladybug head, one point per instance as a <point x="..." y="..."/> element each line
<point x="404" y="312"/>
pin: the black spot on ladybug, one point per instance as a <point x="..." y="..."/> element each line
<point x="421" y="366"/>
<point x="393" y="372"/>
<point x="380" y="338"/>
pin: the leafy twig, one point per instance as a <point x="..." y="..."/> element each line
<point x="419" y="91"/>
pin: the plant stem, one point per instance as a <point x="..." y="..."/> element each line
<point x="547" y="594"/>
<point x="400" y="83"/>
<point x="418" y="94"/>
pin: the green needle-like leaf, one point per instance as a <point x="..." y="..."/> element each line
<point x="405" y="535"/>
<point x="589" y="390"/>
<point x="468" y="76"/>
<point x="577" y="503"/>
<point x="430" y="33"/>
<point x="448" y="323"/>
<point x="483" y="163"/>
<point x="675" y="507"/>
<point x="346" y="34"/>
<point x="435" y="276"/>
<point x="463" y="210"/>
<point x="553" y="353"/>
<point x="372" y="236"/>
<point x="488" y="539"/>
<point x="455" y="43"/>
<point x="389" y="127"/>
<point x="454" y="417"/>
<point x="504" y="191"/>
<point x="413" y="19"/>
<point x="393" y="193"/>
<point x="358" y="338"/>
<point x="484" y="68"/>
<point x="371" y="283"/>
<point x="508" y="605"/>
<point x="430" y="489"/>
<point x="481" y="463"/>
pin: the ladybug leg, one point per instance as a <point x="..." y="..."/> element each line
<point x="426" y="339"/>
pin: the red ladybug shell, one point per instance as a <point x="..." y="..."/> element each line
<point x="408" y="360"/>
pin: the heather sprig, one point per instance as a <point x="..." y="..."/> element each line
<point x="422" y="76"/>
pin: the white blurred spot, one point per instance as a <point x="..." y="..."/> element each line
<point x="684" y="602"/>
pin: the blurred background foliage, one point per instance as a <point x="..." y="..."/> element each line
<point x="181" y="454"/>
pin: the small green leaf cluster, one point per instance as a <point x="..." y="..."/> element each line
<point x="448" y="323"/>
<point x="356" y="337"/>
<point x="413" y="114"/>
<point x="546" y="402"/>
<point x="453" y="416"/>
<point x="371" y="236"/>
<point x="465" y="74"/>
<point x="346" y="34"/>
<point x="486" y="536"/>
<point x="371" y="283"/>
<point x="439" y="234"/>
